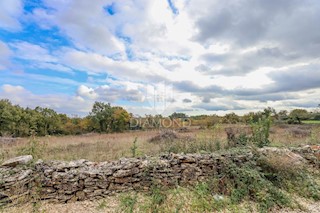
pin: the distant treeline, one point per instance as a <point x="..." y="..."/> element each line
<point x="296" y="116"/>
<point x="16" y="121"/>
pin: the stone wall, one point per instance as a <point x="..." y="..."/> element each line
<point x="60" y="181"/>
<point x="80" y="180"/>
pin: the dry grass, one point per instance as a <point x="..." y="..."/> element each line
<point x="106" y="147"/>
<point x="295" y="135"/>
<point x="178" y="200"/>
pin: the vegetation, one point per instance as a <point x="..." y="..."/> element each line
<point x="16" y="121"/>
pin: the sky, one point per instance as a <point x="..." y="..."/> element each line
<point x="161" y="56"/>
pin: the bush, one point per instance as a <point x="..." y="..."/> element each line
<point x="288" y="174"/>
<point x="34" y="147"/>
<point x="237" y="137"/>
<point x="261" y="131"/>
<point x="248" y="182"/>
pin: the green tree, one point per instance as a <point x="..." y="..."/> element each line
<point x="47" y="121"/>
<point x="120" y="119"/>
<point x="178" y="115"/>
<point x="297" y="115"/>
<point x="101" y="115"/>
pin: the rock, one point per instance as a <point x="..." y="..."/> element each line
<point x="4" y="199"/>
<point x="315" y="147"/>
<point x="125" y="173"/>
<point x="24" y="174"/>
<point x="290" y="156"/>
<point x="21" y="160"/>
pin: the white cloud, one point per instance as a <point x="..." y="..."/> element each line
<point x="114" y="91"/>
<point x="94" y="63"/>
<point x="5" y="53"/>
<point x="220" y="55"/>
<point x="10" y="11"/>
<point x="87" y="92"/>
<point x="59" y="102"/>
<point x="85" y="22"/>
<point x="54" y="67"/>
<point x="28" y="51"/>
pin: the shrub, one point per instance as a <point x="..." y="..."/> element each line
<point x="288" y="174"/>
<point x="260" y="131"/>
<point x="237" y="137"/>
<point x="34" y="147"/>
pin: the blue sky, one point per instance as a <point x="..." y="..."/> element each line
<point x="151" y="57"/>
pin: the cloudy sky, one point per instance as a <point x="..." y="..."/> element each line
<point x="161" y="56"/>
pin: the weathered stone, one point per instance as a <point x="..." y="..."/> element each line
<point x="125" y="173"/>
<point x="126" y="180"/>
<point x="187" y="159"/>
<point x="21" y="160"/>
<point x="273" y="151"/>
<point x="80" y="195"/>
<point x="4" y="199"/>
<point x="24" y="174"/>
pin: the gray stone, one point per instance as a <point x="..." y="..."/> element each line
<point x="125" y="173"/>
<point x="21" y="160"/>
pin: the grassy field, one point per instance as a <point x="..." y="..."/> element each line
<point x="300" y="186"/>
<point x="106" y="147"/>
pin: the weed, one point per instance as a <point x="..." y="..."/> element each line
<point x="128" y="202"/>
<point x="217" y="145"/>
<point x="205" y="200"/>
<point x="157" y="196"/>
<point x="261" y="131"/>
<point x="314" y="136"/>
<point x="34" y="147"/>
<point x="134" y="147"/>
<point x="190" y="145"/>
<point x="236" y="137"/>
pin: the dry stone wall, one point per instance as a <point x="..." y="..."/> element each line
<point x="81" y="180"/>
<point x="60" y="181"/>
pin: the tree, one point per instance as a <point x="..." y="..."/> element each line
<point x="231" y="118"/>
<point x="297" y="115"/>
<point x="269" y="111"/>
<point x="6" y="117"/>
<point x="101" y="115"/>
<point x="178" y="115"/>
<point x="283" y="113"/>
<point x="120" y="119"/>
<point x="47" y="121"/>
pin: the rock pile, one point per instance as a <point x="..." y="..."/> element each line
<point x="309" y="152"/>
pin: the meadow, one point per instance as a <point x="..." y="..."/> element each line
<point x="106" y="147"/>
<point x="293" y="190"/>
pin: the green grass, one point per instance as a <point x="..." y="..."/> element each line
<point x="311" y="122"/>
